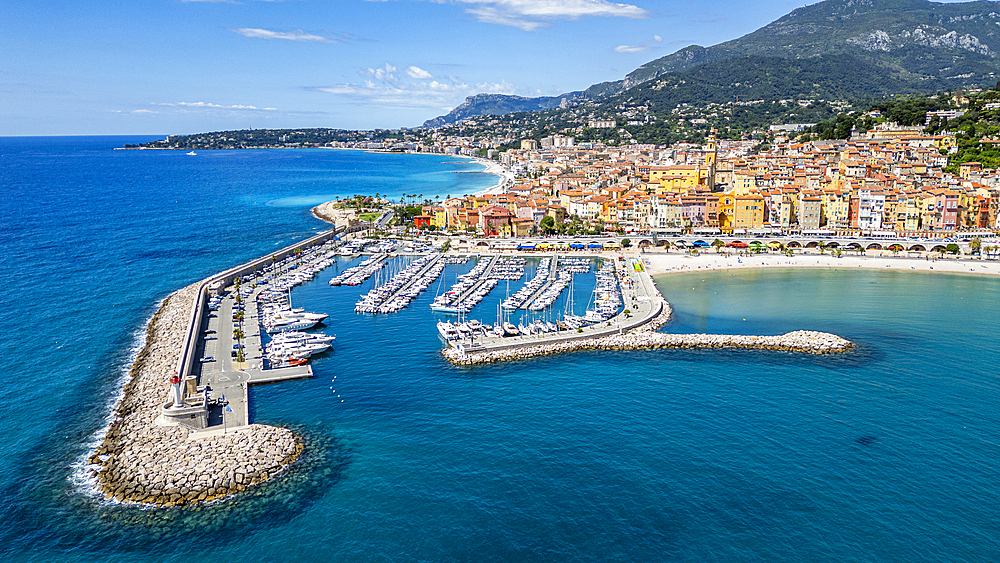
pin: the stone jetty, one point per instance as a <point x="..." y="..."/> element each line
<point x="645" y="337"/>
<point x="142" y="462"/>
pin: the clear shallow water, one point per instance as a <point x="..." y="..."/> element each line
<point x="886" y="453"/>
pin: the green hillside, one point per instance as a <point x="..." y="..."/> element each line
<point x="915" y="39"/>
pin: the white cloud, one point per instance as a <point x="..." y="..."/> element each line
<point x="144" y="111"/>
<point x="413" y="88"/>
<point x="644" y="46"/>
<point x="395" y="93"/>
<point x="419" y="95"/>
<point x="530" y="15"/>
<point x="502" y="87"/>
<point x="492" y="15"/>
<point x="297" y="35"/>
<point x="383" y="74"/>
<point x="417" y="72"/>
<point x="210" y="106"/>
<point x="570" y="9"/>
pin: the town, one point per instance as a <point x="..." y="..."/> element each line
<point x="888" y="182"/>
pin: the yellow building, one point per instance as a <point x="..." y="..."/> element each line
<point x="836" y="209"/>
<point x="679" y="178"/>
<point x="438" y="215"/>
<point x="727" y="212"/>
<point x="743" y="183"/>
<point x="748" y="211"/>
<point x="945" y="142"/>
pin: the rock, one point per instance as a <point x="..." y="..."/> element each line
<point x="144" y="463"/>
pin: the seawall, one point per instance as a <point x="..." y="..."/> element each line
<point x="141" y="462"/>
<point x="645" y="337"/>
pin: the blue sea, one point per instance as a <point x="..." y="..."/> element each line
<point x="890" y="452"/>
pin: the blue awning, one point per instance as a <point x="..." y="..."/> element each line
<point x="594" y="245"/>
<point x="578" y="245"/>
<point x="525" y="247"/>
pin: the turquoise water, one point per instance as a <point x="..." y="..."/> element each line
<point x="888" y="452"/>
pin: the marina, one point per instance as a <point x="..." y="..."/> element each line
<point x="244" y="329"/>
<point x="252" y="333"/>
<point x="397" y="293"/>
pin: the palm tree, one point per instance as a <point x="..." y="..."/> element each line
<point x="718" y="244"/>
<point x="975" y="245"/>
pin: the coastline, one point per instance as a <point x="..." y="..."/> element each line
<point x="505" y="176"/>
<point x="671" y="263"/>
<point x="141" y="462"/>
<point x="324" y="212"/>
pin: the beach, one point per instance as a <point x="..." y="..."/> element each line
<point x="674" y="262"/>
<point x="506" y="177"/>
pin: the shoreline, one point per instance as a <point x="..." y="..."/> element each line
<point x="141" y="462"/>
<point x="673" y="263"/>
<point x="323" y="212"/>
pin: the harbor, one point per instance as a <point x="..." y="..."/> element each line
<point x="242" y="329"/>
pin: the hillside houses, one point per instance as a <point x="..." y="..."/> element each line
<point x="893" y="183"/>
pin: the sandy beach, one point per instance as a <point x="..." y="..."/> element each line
<point x="678" y="262"/>
<point x="506" y="177"/>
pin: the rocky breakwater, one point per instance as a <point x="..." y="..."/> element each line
<point x="141" y="462"/>
<point x="645" y="337"/>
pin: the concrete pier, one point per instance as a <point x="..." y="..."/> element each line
<point x="494" y="260"/>
<point x="633" y="330"/>
<point x="158" y="453"/>
<point x="643" y="303"/>
<point x="553" y="275"/>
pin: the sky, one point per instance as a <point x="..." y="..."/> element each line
<point x="103" y="67"/>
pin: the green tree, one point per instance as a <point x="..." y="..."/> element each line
<point x="953" y="248"/>
<point x="547" y="224"/>
<point x="626" y="243"/>
<point x="975" y="245"/>
<point x="718" y="244"/>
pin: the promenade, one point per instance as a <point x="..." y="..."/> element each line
<point x="676" y="262"/>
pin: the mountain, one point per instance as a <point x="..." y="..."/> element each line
<point x="889" y="46"/>
<point x="916" y="39"/>
<point x="498" y="104"/>
<point x="773" y="78"/>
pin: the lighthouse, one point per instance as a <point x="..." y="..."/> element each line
<point x="175" y="381"/>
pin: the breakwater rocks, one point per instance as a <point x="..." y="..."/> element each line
<point x="645" y="337"/>
<point x="326" y="212"/>
<point x="141" y="462"/>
